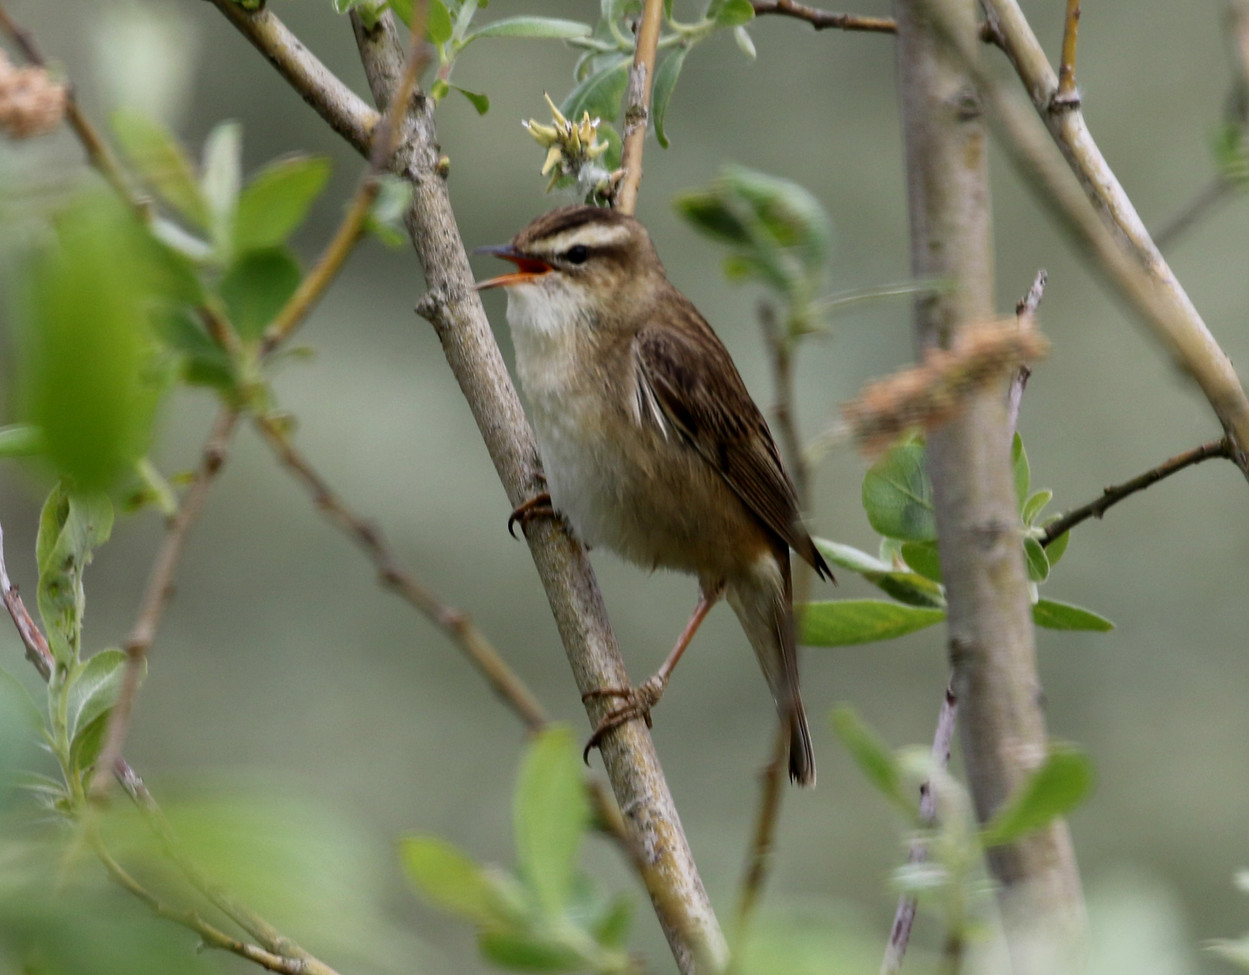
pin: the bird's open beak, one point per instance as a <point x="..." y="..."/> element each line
<point x="527" y="268"/>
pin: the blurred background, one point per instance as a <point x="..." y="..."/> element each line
<point x="282" y="669"/>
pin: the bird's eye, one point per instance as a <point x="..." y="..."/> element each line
<point x="577" y="254"/>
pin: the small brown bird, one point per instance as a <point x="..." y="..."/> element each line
<point x="650" y="443"/>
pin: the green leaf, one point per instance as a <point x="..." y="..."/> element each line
<point x="205" y="363"/>
<point x="1035" y="505"/>
<point x="277" y="200"/>
<point x="85" y="343"/>
<point x="665" y="82"/>
<point x="542" y="27"/>
<point x="162" y="163"/>
<point x="94" y="689"/>
<point x="601" y="93"/>
<point x="531" y="951"/>
<point x="1054" y="615"/>
<point x="845" y="622"/>
<point x="924" y="558"/>
<point x="1038" y="564"/>
<point x="1056" y="549"/>
<point x="551" y="816"/>
<point x="733" y="13"/>
<point x="1019" y="462"/>
<point x="1052" y="791"/>
<point x="611" y="926"/>
<point x="220" y="182"/>
<point x="256" y="288"/>
<point x="403" y="10"/>
<point x="874" y="758"/>
<point x="21" y="440"/>
<point x="479" y="101"/>
<point x="438" y="25"/>
<point x="393" y="201"/>
<point x="71" y="526"/>
<point x="711" y="214"/>
<point x="439" y="90"/>
<point x="897" y="495"/>
<point x="448" y="878"/>
<point x="907" y="587"/>
<point x="18" y="709"/>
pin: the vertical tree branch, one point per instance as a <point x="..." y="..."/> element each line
<point x="990" y="623"/>
<point x="453" y="307"/>
<point x="1066" y="93"/>
<point x="637" y="105"/>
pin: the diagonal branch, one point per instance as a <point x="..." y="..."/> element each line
<point x="1113" y="495"/>
<point x="156" y="596"/>
<point x="823" y="19"/>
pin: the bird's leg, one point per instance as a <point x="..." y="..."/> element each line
<point x="639" y="700"/>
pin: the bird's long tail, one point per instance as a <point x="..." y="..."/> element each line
<point x="762" y="598"/>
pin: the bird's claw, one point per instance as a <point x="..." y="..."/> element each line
<point x="539" y="506"/>
<point x="638" y="703"/>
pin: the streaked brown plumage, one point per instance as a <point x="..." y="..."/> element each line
<point x="650" y="442"/>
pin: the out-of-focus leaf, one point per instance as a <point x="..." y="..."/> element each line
<point x="385" y="219"/>
<point x="874" y="758"/>
<point x="256" y="287"/>
<point x="897" y="495"/>
<point x="551" y="816"/>
<point x="85" y="343"/>
<point x="531" y="951"/>
<point x="1063" y="616"/>
<point x="455" y="883"/>
<point x="205" y="363"/>
<point x="745" y="43"/>
<point x="220" y="182"/>
<point x="845" y="622"/>
<point x="1035" y="505"/>
<point x="163" y="164"/>
<point x="94" y="689"/>
<point x="277" y="200"/>
<point x="1038" y="564"/>
<point x="733" y="13"/>
<point x="20" y="440"/>
<point x="71" y="527"/>
<point x="924" y="558"/>
<point x="601" y="93"/>
<point x="612" y="924"/>
<point x="1023" y="475"/>
<point x="541" y="27"/>
<point x="907" y="587"/>
<point x="1053" y="790"/>
<point x="438" y="25"/>
<point x="665" y="83"/>
<point x="1056" y="549"/>
<point x="478" y="100"/>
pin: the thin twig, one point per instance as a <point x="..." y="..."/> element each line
<point x="37" y="650"/>
<point x="759" y="858"/>
<point x="351" y="228"/>
<point x="637" y="105"/>
<point x="1025" y="312"/>
<point x="1113" y="495"/>
<point x="1066" y="93"/>
<point x="823" y="19"/>
<point x="209" y="934"/>
<point x="904" y="917"/>
<point x="98" y="153"/>
<point x="156" y="596"/>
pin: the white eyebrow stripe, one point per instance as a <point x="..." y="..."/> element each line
<point x="590" y="235"/>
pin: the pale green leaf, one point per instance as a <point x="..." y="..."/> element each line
<point x="733" y="13"/>
<point x="448" y="878"/>
<point x="1064" y="616"/>
<point x="845" y="622"/>
<point x="220" y="182"/>
<point x="1038" y="564"/>
<point x="907" y="587"/>
<point x="21" y="440"/>
<point x="276" y="201"/>
<point x="551" y="814"/>
<point x="438" y="26"/>
<point x="162" y="163"/>
<point x="1019" y="463"/>
<point x="71" y="527"/>
<point x="479" y="101"/>
<point x="601" y="93"/>
<point x="897" y="495"/>
<point x="924" y="558"/>
<point x="93" y="690"/>
<point x="874" y="759"/>
<point x="1052" y="791"/>
<point x="257" y="286"/>
<point x="665" y="82"/>
<point x="539" y="27"/>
